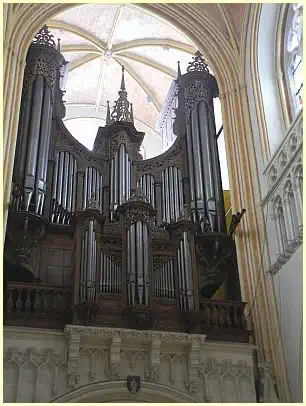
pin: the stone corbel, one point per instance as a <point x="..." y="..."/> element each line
<point x="73" y="358"/>
<point x="113" y="371"/>
<point x="152" y="373"/>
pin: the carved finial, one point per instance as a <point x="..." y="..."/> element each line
<point x="59" y="45"/>
<point x="44" y="37"/>
<point x="198" y="64"/>
<point x="179" y="74"/>
<point x="122" y="79"/>
<point x="121" y="110"/>
<point x="108" y="115"/>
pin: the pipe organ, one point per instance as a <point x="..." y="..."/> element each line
<point x="64" y="188"/>
<point x="138" y="228"/>
<point x="110" y="280"/>
<point x="120" y="179"/>
<point x="146" y="184"/>
<point x="93" y="186"/>
<point x="172" y="194"/>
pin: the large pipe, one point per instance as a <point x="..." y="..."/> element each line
<point x="146" y="262"/>
<point x="94" y="268"/>
<point x="74" y="187"/>
<point x="44" y="143"/>
<point x="129" y="259"/>
<point x="171" y="197"/>
<point x="171" y="280"/>
<point x="166" y="196"/>
<point x="139" y="251"/>
<point x="218" y="179"/>
<point x="82" y="269"/>
<point x="89" y="185"/>
<point x="191" y="163"/>
<point x="184" y="290"/>
<point x="54" y="186"/>
<point x="101" y="192"/>
<point x="112" y="183"/>
<point x="34" y="136"/>
<point x="188" y="268"/>
<point x="70" y="183"/>
<point x="178" y="253"/>
<point x="65" y="181"/>
<point x="133" y="261"/>
<point x="176" y="205"/>
<point x="181" y="193"/>
<point x="60" y="180"/>
<point x="23" y="136"/>
<point x="94" y="183"/>
<point x="116" y="180"/>
<point x="86" y="262"/>
<point x="124" y="176"/>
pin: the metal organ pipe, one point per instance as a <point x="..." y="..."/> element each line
<point x="146" y="261"/>
<point x="93" y="184"/>
<point x="115" y="181"/>
<point x="146" y="183"/>
<point x="218" y="181"/>
<point x="64" y="187"/>
<point x="89" y="264"/>
<point x="164" y="281"/>
<point x="120" y="178"/>
<point x="34" y="136"/>
<point x="172" y="189"/>
<point x="65" y="180"/>
<point x="23" y="134"/>
<point x="139" y="255"/>
<point x="44" y="144"/>
<point x="191" y="170"/>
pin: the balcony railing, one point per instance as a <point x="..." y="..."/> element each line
<point x="36" y="299"/>
<point x="221" y="313"/>
<point x="35" y="305"/>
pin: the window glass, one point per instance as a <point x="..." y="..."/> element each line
<point x="295" y="55"/>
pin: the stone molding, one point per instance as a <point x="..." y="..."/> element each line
<point x="287" y="154"/>
<point x="146" y="336"/>
<point x="286" y="255"/>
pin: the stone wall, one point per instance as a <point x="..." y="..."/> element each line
<point x="45" y="365"/>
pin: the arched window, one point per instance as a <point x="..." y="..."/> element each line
<point x="293" y="53"/>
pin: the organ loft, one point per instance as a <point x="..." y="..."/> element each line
<point x="105" y="238"/>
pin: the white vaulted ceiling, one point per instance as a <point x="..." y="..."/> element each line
<point x="96" y="39"/>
